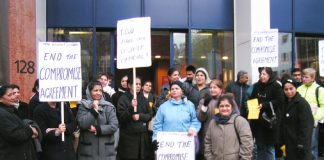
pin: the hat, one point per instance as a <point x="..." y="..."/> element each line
<point x="291" y="81"/>
<point x="177" y="83"/>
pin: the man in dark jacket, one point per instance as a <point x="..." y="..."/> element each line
<point x="239" y="88"/>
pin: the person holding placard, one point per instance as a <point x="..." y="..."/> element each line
<point x="97" y="122"/>
<point x="177" y="114"/>
<point x="229" y="135"/>
<point x="297" y="123"/>
<point x="134" y="140"/>
<point x="48" y="117"/>
<point x="268" y="92"/>
<point x="207" y="110"/>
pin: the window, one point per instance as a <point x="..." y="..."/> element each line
<point x="82" y="35"/>
<point x="213" y="51"/>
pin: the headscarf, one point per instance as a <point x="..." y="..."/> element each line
<point x="89" y="101"/>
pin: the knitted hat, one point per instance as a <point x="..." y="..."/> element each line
<point x="204" y="71"/>
<point x="177" y="83"/>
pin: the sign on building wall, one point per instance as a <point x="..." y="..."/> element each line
<point x="175" y="145"/>
<point x="59" y="71"/>
<point x="264" y="48"/>
<point x="134" y="43"/>
<point x="321" y="57"/>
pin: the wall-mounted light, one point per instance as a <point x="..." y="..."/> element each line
<point x="202" y="57"/>
<point x="79" y="33"/>
<point x="157" y="57"/>
<point x="225" y="58"/>
<point x="180" y="57"/>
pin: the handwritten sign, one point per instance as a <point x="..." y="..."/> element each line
<point x="175" y="145"/>
<point x="134" y="43"/>
<point x="321" y="57"/>
<point x="264" y="48"/>
<point x="59" y="71"/>
<point x="254" y="109"/>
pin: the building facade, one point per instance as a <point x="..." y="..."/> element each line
<point x="183" y="32"/>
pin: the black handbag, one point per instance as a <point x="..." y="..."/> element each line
<point x="269" y="121"/>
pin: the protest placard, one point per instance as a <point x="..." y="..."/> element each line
<point x="175" y="145"/>
<point x="264" y="48"/>
<point x="321" y="57"/>
<point x="134" y="43"/>
<point x="59" y="71"/>
<point x="254" y="108"/>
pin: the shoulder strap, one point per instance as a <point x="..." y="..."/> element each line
<point x="316" y="93"/>
<point x="237" y="134"/>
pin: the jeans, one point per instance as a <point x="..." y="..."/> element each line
<point x="265" y="152"/>
<point x="314" y="145"/>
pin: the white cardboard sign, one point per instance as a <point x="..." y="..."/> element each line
<point x="175" y="145"/>
<point x="134" y="43"/>
<point x="321" y="57"/>
<point x="59" y="71"/>
<point x="264" y="48"/>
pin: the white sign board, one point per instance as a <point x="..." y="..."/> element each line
<point x="321" y="57"/>
<point x="59" y="71"/>
<point x="264" y="48"/>
<point x="134" y="43"/>
<point x="175" y="145"/>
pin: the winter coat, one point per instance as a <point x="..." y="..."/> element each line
<point x="194" y="94"/>
<point x="165" y="90"/>
<point x="297" y="128"/>
<point x="134" y="141"/>
<point x="23" y="110"/>
<point x="222" y="143"/>
<point x="99" y="146"/>
<point x="265" y="93"/>
<point x="205" y="118"/>
<point x="173" y="116"/>
<point x="240" y="94"/>
<point x="15" y="136"/>
<point x="52" y="145"/>
<point x="33" y="103"/>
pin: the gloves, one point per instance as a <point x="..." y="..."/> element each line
<point x="207" y="100"/>
<point x="155" y="145"/>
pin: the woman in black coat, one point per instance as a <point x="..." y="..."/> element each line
<point x="297" y="124"/>
<point x="15" y="135"/>
<point x="48" y="117"/>
<point x="266" y="90"/>
<point x="134" y="141"/>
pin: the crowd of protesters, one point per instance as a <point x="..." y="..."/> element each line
<point x="113" y="124"/>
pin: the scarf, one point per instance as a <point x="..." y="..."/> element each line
<point x="223" y="120"/>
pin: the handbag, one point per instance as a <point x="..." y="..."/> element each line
<point x="269" y="121"/>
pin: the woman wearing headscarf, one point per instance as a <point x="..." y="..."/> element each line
<point x="297" y="124"/>
<point x="206" y="111"/>
<point x="15" y="135"/>
<point x="97" y="122"/>
<point x="176" y="114"/>
<point x="134" y="140"/>
<point x="229" y="135"/>
<point x="200" y="88"/>
<point x="267" y="90"/>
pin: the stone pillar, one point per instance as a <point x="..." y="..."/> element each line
<point x="22" y="37"/>
<point x="248" y="15"/>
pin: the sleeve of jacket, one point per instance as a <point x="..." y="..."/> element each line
<point x="41" y="118"/>
<point x="306" y="122"/>
<point x="208" y="143"/>
<point x="246" y="146"/>
<point x="320" y="113"/>
<point x="85" y="117"/>
<point x="202" y="116"/>
<point x="69" y="121"/>
<point x="124" y="110"/>
<point x="195" y="123"/>
<point x="158" y="123"/>
<point x="112" y="123"/>
<point x="14" y="133"/>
